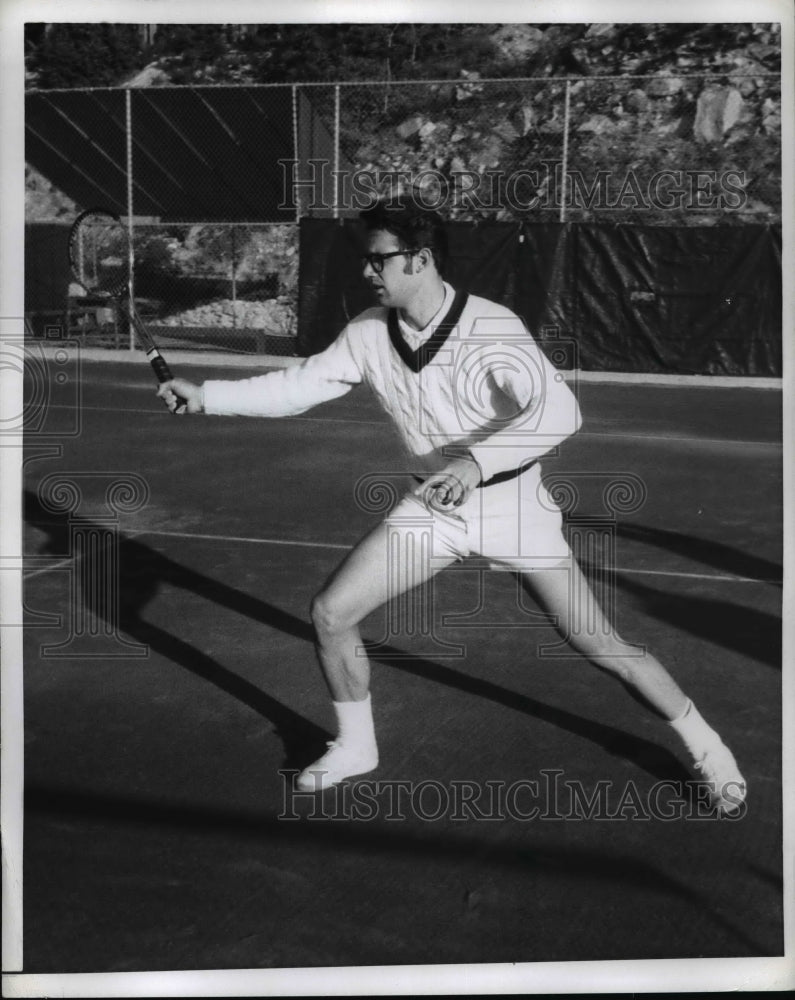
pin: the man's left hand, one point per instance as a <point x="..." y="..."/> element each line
<point x="452" y="486"/>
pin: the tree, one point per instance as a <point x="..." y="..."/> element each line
<point x="87" y="55"/>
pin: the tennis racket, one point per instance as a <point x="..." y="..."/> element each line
<point x="99" y="255"/>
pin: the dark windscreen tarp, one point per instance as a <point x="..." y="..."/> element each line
<point x="672" y="300"/>
<point x="77" y="140"/>
<point x="198" y="154"/>
<point x="332" y="289"/>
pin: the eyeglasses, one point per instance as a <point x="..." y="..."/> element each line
<point x="376" y="260"/>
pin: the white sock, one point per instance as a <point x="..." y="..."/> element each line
<point x="694" y="731"/>
<point x="355" y="725"/>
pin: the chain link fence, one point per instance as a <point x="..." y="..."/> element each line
<point x="665" y="150"/>
<point x="684" y="150"/>
<point x="218" y="287"/>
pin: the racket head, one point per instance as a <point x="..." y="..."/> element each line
<point x="99" y="252"/>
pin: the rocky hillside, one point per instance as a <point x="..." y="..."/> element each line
<point x="71" y="55"/>
<point x="661" y="114"/>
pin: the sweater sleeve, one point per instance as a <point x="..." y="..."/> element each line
<point x="543" y="409"/>
<point x="289" y="391"/>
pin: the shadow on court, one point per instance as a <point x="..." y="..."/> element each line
<point x="707" y="552"/>
<point x="143" y="572"/>
<point x="754" y="634"/>
<point x="595" y="867"/>
<point x="153" y="833"/>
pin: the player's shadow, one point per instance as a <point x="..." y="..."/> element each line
<point x="753" y="633"/>
<point x="718" y="555"/>
<point x="747" y="631"/>
<point x="143" y="571"/>
<point x="477" y="860"/>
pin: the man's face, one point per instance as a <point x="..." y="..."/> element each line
<point x="398" y="280"/>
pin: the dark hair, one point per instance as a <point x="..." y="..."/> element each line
<point x="412" y="225"/>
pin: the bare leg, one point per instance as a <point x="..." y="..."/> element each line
<point x="566" y="595"/>
<point x="362" y="583"/>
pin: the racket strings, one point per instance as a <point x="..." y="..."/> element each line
<point x="99" y="251"/>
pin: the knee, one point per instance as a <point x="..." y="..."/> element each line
<point x="327" y="617"/>
<point x="611" y="653"/>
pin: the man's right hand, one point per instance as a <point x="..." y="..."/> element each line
<point x="189" y="391"/>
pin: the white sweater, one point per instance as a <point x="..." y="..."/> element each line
<point x="489" y="389"/>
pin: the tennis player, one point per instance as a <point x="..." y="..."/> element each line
<point x="476" y="404"/>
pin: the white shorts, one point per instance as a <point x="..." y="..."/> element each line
<point x="515" y="525"/>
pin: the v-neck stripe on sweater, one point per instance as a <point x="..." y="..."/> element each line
<point x="417" y="359"/>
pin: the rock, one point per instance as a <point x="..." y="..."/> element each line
<point x="576" y="57"/>
<point x="515" y="42"/>
<point x="506" y="130"/>
<point x="664" y="86"/>
<point x="756" y="208"/>
<point x="150" y="76"/>
<point x="44" y="201"/>
<point x="718" y="108"/>
<point x="600" y="30"/>
<point x="465" y="90"/>
<point x="747" y="87"/>
<point x="768" y="54"/>
<point x="522" y="119"/>
<point x="598" y="124"/>
<point x="636" y="100"/>
<point x="443" y="91"/>
<point x="672" y="127"/>
<point x="732" y="108"/>
<point x="488" y="156"/>
<point x="772" y="122"/>
<point x="274" y="316"/>
<point x="426" y="130"/>
<point x="409" y="127"/>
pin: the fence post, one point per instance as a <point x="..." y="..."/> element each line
<point x="234" y="276"/>
<point x="565" y="164"/>
<point x="336" y="150"/>
<point x="296" y="188"/>
<point x="131" y="259"/>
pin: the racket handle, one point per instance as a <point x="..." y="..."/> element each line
<point x="163" y="373"/>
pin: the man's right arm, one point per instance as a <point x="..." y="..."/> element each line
<point x="286" y="392"/>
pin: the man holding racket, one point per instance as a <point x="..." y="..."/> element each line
<point x="476" y="404"/>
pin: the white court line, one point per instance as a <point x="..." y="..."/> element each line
<point x="334" y="545"/>
<point x="714" y="577"/>
<point x="698" y="576"/>
<point x="385" y="422"/>
<point x="30" y="573"/>
<point x="241" y="538"/>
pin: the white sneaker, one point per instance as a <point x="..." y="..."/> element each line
<point x="338" y="763"/>
<point x="720" y="772"/>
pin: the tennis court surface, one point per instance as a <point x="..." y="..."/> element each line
<point x="164" y="697"/>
